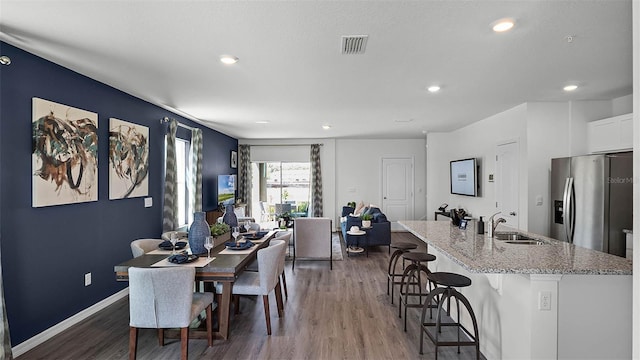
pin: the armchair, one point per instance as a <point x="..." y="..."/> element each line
<point x="378" y="235"/>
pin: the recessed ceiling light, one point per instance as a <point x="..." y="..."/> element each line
<point x="326" y="127"/>
<point x="503" y="25"/>
<point x="228" y="59"/>
<point x="262" y="122"/>
<point x="433" y="88"/>
<point x="570" y="87"/>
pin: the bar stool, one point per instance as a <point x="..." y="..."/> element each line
<point x="412" y="277"/>
<point x="448" y="281"/>
<point x="401" y="247"/>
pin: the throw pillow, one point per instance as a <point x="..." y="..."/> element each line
<point x="379" y="218"/>
<point x="346" y="210"/>
<point x="359" y="208"/>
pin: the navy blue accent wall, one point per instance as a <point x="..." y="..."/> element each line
<point x="46" y="251"/>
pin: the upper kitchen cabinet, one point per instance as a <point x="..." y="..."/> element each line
<point x="611" y="134"/>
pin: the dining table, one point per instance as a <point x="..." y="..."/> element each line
<point x="224" y="268"/>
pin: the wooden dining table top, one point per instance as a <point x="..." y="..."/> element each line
<point x="223" y="267"/>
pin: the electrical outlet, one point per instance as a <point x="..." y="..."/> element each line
<point x="87" y="279"/>
<point x="544" y="300"/>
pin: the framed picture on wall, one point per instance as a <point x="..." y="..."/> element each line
<point x="234" y="159"/>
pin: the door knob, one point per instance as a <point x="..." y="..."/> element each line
<point x="385" y="198"/>
<point x="513" y="213"/>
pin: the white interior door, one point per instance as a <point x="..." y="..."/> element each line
<point x="507" y="182"/>
<point x="397" y="188"/>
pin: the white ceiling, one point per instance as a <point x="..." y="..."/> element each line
<point x="292" y="74"/>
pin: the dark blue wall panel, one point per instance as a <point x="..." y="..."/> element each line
<point x="46" y="251"/>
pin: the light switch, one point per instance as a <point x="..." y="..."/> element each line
<point x="148" y="202"/>
<point x="539" y="200"/>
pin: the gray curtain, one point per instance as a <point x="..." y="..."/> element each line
<point x="244" y="175"/>
<point x="316" y="181"/>
<point x="195" y="171"/>
<point x="5" y="354"/>
<point x="170" y="207"/>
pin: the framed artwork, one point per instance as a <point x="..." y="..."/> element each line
<point x="234" y="159"/>
<point x="64" y="154"/>
<point x="128" y="160"/>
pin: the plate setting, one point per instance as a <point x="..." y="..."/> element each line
<point x="238" y="245"/>
<point x="166" y="245"/>
<point x="182" y="258"/>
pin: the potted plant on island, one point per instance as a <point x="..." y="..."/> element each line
<point x="366" y="220"/>
<point x="284" y="220"/>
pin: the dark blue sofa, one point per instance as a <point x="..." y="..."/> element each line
<point x="379" y="235"/>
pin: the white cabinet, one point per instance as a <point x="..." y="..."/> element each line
<point x="611" y="134"/>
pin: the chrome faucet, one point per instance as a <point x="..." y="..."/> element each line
<point x="494" y="224"/>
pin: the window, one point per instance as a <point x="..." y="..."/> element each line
<point x="280" y="187"/>
<point x="185" y="213"/>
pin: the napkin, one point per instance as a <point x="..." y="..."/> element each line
<point x="166" y="245"/>
<point x="181" y="258"/>
<point x="239" y="245"/>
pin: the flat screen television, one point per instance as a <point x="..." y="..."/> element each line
<point x="464" y="177"/>
<point x="226" y="189"/>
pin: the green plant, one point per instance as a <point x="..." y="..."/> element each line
<point x="351" y="204"/>
<point x="218" y="229"/>
<point x="366" y="217"/>
<point x="285" y="195"/>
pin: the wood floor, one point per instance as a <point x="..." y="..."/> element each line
<point x="340" y="314"/>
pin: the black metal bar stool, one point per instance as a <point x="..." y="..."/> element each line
<point x="401" y="247"/>
<point x="448" y="282"/>
<point x="411" y="285"/>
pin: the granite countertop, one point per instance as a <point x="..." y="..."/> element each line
<point x="481" y="254"/>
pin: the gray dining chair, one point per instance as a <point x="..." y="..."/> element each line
<point x="263" y="281"/>
<point x="141" y="246"/>
<point x="161" y="298"/>
<point x="181" y="235"/>
<point x="253" y="266"/>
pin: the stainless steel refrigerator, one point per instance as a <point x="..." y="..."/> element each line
<point x="592" y="200"/>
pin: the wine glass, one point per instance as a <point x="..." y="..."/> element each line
<point x="235" y="231"/>
<point x="174" y="240"/>
<point x="247" y="225"/>
<point x="208" y="244"/>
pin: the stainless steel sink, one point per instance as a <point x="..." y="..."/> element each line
<point x="526" y="242"/>
<point x="511" y="236"/>
<point x="514" y="237"/>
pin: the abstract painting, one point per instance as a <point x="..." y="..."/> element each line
<point x="128" y="160"/>
<point x="64" y="154"/>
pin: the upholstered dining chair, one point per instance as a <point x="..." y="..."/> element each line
<point x="141" y="246"/>
<point x="263" y="281"/>
<point x="312" y="239"/>
<point x="161" y="298"/>
<point x="253" y="266"/>
<point x="181" y="235"/>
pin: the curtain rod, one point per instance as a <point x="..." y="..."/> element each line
<point x="166" y="120"/>
<point x="281" y="144"/>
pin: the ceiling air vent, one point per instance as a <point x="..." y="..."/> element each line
<point x="354" y="44"/>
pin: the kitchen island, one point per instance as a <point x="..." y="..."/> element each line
<point x="549" y="301"/>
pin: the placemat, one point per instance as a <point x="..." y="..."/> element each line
<point x="201" y="262"/>
<point x="238" y="252"/>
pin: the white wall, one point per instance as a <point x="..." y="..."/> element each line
<point x="547" y="129"/>
<point x="477" y="140"/>
<point x="581" y="113"/>
<point x="297" y="153"/>
<point x="622" y="105"/>
<point x="359" y="170"/>
<point x="351" y="168"/>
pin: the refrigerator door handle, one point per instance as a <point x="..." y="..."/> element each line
<point x="565" y="210"/>
<point x="572" y="210"/>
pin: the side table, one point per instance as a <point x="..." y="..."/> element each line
<point x="357" y="249"/>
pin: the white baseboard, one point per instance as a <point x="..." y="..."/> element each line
<point x="67" y="323"/>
